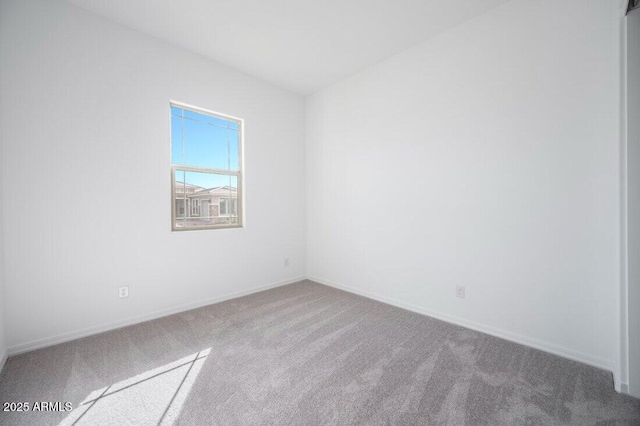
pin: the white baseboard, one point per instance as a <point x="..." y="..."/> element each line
<point x="3" y="360"/>
<point x="73" y="335"/>
<point x="618" y="384"/>
<point x="493" y="331"/>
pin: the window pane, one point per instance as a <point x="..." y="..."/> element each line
<point x="233" y="149"/>
<point x="200" y="181"/>
<point x="205" y="199"/>
<point x="205" y="145"/>
<point x="179" y="199"/>
<point x="202" y="140"/>
<point x="229" y="202"/>
<point x="176" y="140"/>
<point x="177" y="111"/>
<point x="206" y="118"/>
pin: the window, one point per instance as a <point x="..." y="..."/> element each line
<point x="195" y="207"/>
<point x="206" y="164"/>
<point x="180" y="208"/>
<point x="228" y="207"/>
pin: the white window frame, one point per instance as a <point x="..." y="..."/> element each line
<point x="238" y="174"/>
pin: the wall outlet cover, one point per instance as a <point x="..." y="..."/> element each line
<point x="123" y="291"/>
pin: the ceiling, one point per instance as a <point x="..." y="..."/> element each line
<point x="299" y="45"/>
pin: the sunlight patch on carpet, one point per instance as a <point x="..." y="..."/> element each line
<point x="154" y="397"/>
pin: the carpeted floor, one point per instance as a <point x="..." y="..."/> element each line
<point x="306" y="354"/>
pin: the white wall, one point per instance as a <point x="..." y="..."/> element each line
<point x="3" y="341"/>
<point x="85" y="114"/>
<point x="633" y="198"/>
<point x="487" y="157"/>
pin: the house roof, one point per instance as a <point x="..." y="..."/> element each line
<point x="179" y="183"/>
<point x="215" y="190"/>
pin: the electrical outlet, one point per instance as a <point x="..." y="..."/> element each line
<point x="460" y="291"/>
<point x="123" y="291"/>
<point x="286" y="262"/>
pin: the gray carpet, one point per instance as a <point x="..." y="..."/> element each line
<point x="306" y="354"/>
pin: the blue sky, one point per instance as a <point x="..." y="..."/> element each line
<point x="204" y="141"/>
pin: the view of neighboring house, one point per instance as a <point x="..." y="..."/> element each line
<point x="195" y="205"/>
